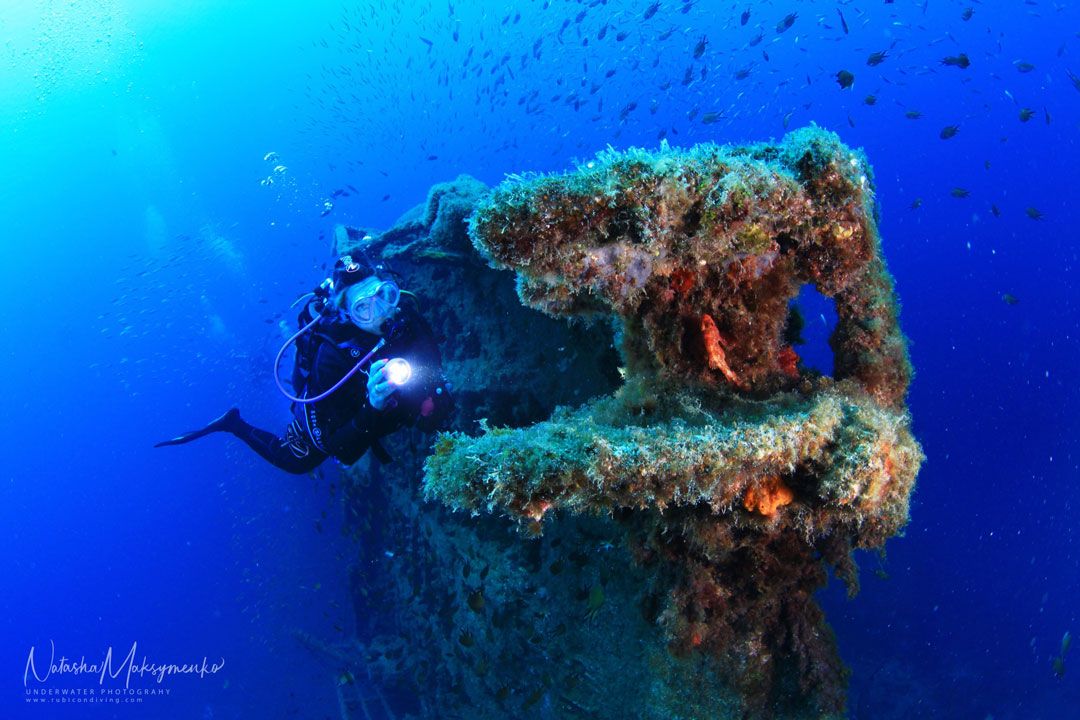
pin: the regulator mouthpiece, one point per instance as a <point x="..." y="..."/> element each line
<point x="398" y="371"/>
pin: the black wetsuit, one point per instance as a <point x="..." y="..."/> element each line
<point x="344" y="425"/>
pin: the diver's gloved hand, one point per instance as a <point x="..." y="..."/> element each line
<point x="228" y="422"/>
<point x="379" y="387"/>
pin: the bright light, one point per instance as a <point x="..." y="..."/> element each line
<point x="398" y="371"/>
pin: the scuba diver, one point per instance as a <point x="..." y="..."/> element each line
<point x="342" y="405"/>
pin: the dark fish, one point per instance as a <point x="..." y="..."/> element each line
<point x="385" y="198"/>
<point x="699" y="49"/>
<point x="961" y="61"/>
<point x="1046" y="114"/>
<point x="1024" y="67"/>
<point x="786" y="23"/>
<point x="968" y="12"/>
<point x="949" y="131"/>
<point x="1010" y="299"/>
<point x="622" y="36"/>
<point x="843" y="22"/>
<point x="758" y="39"/>
<point x="687" y="6"/>
<point x="915" y="204"/>
<point x="1073" y="78"/>
<point x="913" y="114"/>
<point x="1034" y="213"/>
<point x="742" y="73"/>
<point x="1026" y="114"/>
<point x="666" y="34"/>
<point x="627" y="109"/>
<point x="845" y="79"/>
<point x="432" y="157"/>
<point x="959" y="192"/>
<point x="710" y="117"/>
<point x="745" y="17"/>
<point x="426" y="41"/>
<point x="995" y="210"/>
<point x="876" y="58"/>
<point x="870" y="100"/>
<point x="651" y="10"/>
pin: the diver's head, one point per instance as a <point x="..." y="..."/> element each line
<point x="365" y="293"/>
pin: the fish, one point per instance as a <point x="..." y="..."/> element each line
<point x="1033" y="213"/>
<point x="959" y="192"/>
<point x="1046" y="114"/>
<point x="786" y="23"/>
<point x="949" y="131"/>
<point x="843" y="22"/>
<point x="995" y="210"/>
<point x="427" y="42"/>
<point x="870" y="100"/>
<point x="915" y="204"/>
<point x="913" y="114"/>
<point x="876" y="58"/>
<point x="699" y="49"/>
<point x="1024" y="67"/>
<point x="845" y="79"/>
<point x="1009" y="299"/>
<point x="966" y="15"/>
<point x="1058" y="666"/>
<point x="743" y="73"/>
<point x="1073" y="78"/>
<point x="745" y="17"/>
<point x="1026" y="114"/>
<point x="710" y="117"/>
<point x="960" y="61"/>
<point x="1066" y="643"/>
<point x="651" y="10"/>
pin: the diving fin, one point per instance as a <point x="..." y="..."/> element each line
<point x="225" y="423"/>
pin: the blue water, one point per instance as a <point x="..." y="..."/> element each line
<point x="146" y="267"/>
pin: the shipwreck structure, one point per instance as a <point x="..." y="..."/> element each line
<point x="655" y="484"/>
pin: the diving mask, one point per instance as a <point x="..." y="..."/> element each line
<point x="372" y="301"/>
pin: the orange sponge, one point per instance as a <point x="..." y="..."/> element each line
<point x="767" y="496"/>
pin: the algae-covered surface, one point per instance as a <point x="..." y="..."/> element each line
<point x="653" y="485"/>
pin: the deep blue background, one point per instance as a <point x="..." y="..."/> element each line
<point x="146" y="270"/>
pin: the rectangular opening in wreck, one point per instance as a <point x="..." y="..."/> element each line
<point x="811" y="339"/>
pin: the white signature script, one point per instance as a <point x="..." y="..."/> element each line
<point x="127" y="666"/>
